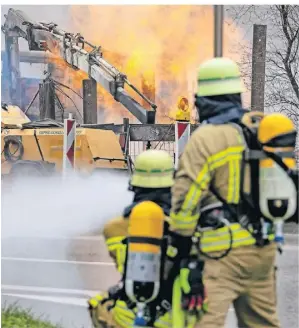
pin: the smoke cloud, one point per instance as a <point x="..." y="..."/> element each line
<point x="56" y="208"/>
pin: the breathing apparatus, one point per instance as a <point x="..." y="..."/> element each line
<point x="218" y="100"/>
<point x="278" y="196"/>
<point x="142" y="247"/>
<point x="143" y="269"/>
<point x="269" y="158"/>
<point x="153" y="174"/>
<point x="269" y="155"/>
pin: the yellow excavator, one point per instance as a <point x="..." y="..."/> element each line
<point x="36" y="148"/>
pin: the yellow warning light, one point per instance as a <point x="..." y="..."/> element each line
<point x="183" y="104"/>
<point x="183" y="112"/>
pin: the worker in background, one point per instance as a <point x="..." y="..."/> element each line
<point x="235" y="263"/>
<point x="151" y="181"/>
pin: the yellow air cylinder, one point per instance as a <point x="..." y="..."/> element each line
<point x="143" y="265"/>
<point x="277" y="192"/>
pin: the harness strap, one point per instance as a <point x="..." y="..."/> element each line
<point x="146" y="240"/>
<point x="254" y="154"/>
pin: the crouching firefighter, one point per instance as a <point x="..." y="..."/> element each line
<point x="151" y="181"/>
<point x="235" y="186"/>
<point x="141" y="298"/>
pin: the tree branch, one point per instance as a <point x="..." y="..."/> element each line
<point x="282" y="60"/>
<point x="285" y="25"/>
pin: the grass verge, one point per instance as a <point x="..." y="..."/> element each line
<point x="14" y="317"/>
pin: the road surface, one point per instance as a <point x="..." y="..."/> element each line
<point x="55" y="276"/>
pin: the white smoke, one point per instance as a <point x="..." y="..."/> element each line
<point x="56" y="208"/>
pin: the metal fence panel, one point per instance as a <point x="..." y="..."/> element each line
<point x="137" y="147"/>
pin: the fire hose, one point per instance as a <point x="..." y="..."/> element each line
<point x="10" y="156"/>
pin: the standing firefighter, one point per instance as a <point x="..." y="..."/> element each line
<point x="234" y="187"/>
<point x="151" y="183"/>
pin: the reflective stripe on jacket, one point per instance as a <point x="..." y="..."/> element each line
<point x="118" y="251"/>
<point x="212" y="157"/>
<point x="219" y="240"/>
<point x="115" y="231"/>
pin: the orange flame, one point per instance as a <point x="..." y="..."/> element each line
<point x="167" y="42"/>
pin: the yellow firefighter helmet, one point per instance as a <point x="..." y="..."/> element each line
<point x="153" y="169"/>
<point x="276" y="128"/>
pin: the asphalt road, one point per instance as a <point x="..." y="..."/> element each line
<point x="54" y="277"/>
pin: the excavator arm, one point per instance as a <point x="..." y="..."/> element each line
<point x="73" y="49"/>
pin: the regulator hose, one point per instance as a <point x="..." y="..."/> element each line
<point x="9" y="156"/>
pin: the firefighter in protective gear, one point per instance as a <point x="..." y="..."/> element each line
<point x="205" y="196"/>
<point x="151" y="181"/>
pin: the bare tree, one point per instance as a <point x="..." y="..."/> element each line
<point x="282" y="57"/>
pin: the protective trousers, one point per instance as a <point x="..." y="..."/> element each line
<point x="244" y="278"/>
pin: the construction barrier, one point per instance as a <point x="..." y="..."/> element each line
<point x="175" y="149"/>
<point x="69" y="144"/>
<point x="182" y="135"/>
<point x="122" y="141"/>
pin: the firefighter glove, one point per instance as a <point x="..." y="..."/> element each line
<point x="93" y="304"/>
<point x="194" y="298"/>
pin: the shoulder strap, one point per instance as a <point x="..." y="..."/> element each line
<point x="248" y="202"/>
<point x="231" y="209"/>
<point x="227" y="206"/>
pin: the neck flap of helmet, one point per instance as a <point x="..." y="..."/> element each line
<point x="219" y="109"/>
<point x="161" y="196"/>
